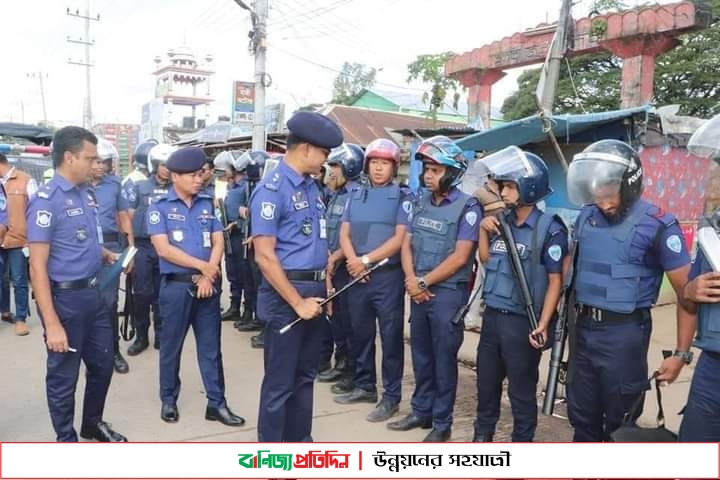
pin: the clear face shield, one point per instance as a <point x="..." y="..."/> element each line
<point x="475" y="177"/>
<point x="240" y="161"/>
<point x="509" y="162"/>
<point x="593" y="177"/>
<point x="705" y="142"/>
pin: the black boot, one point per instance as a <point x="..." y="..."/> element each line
<point x="119" y="363"/>
<point x="258" y="341"/>
<point x="482" y="437"/>
<point x="139" y="345"/>
<point x="334" y="373"/>
<point x="231" y="313"/>
<point x="248" y="322"/>
<point x="345" y="385"/>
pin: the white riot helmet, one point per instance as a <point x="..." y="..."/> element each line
<point x="108" y="153"/>
<point x="705" y="142"/>
<point x="159" y="155"/>
<point x="224" y="161"/>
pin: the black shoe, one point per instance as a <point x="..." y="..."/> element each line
<point x="325" y="367"/>
<point x="247" y="316"/>
<point x="258" y="341"/>
<point x="231" y="313"/>
<point x="408" y="423"/>
<point x="383" y="411"/>
<point x="102" y="433"/>
<point x="251" y="326"/>
<point x="436" y="435"/>
<point x="334" y="373"/>
<point x="224" y="416"/>
<point x="345" y="385"/>
<point x="358" y="395"/>
<point x="169" y="413"/>
<point x="482" y="437"/>
<point x="120" y="364"/>
<point x="138" y="346"/>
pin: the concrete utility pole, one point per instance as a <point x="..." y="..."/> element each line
<point x="40" y="76"/>
<point x="87" y="107"/>
<point x="551" y="69"/>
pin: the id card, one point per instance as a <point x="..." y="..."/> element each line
<point x="323" y="228"/>
<point x="206" y="240"/>
<point x="100" y="235"/>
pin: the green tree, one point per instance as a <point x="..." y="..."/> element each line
<point x="430" y="69"/>
<point x="353" y="78"/>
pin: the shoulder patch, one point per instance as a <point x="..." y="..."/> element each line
<point x="674" y="243"/>
<point x="407" y="206"/>
<point x="471" y="218"/>
<point x="555" y="252"/>
<point x="43" y="218"/>
<point x="154" y="217"/>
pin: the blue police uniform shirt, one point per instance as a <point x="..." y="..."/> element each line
<point x="696" y="267"/>
<point x="66" y="217"/>
<point x="3" y="207"/>
<point x="188" y="228"/>
<point x="110" y="199"/>
<point x="289" y="207"/>
<point x="666" y="252"/>
<point x="403" y="212"/>
<point x="555" y="239"/>
<point x="469" y="225"/>
<point x="129" y="193"/>
<point x="236" y="197"/>
<point x="209" y="190"/>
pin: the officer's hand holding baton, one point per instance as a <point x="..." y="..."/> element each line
<point x="319" y="302"/>
<point x="55" y="337"/>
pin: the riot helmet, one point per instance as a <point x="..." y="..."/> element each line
<point x="605" y="169"/>
<point x="705" y="142"/>
<point x="253" y="161"/>
<point x="224" y="161"/>
<point x="441" y="150"/>
<point x="525" y="169"/>
<point x="140" y="155"/>
<point x="107" y="153"/>
<point x="350" y="158"/>
<point x="159" y="155"/>
<point x="382" y="148"/>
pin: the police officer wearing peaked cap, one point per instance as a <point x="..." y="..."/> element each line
<point x="291" y="249"/>
<point x="66" y="255"/>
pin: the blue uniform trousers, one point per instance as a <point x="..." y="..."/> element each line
<point x="341" y="327"/>
<point x="87" y="326"/>
<point x="110" y="293"/>
<point x="251" y="279"/>
<point x="435" y="342"/>
<point x="233" y="268"/>
<point x="701" y="417"/>
<point x="609" y="372"/>
<point x="380" y="298"/>
<point x="291" y="365"/>
<point x="179" y="311"/>
<point x="146" y="286"/>
<point x="505" y="352"/>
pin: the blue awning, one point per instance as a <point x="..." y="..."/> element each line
<point x="530" y="129"/>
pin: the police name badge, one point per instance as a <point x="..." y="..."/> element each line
<point x="177" y="235"/>
<point x="267" y="210"/>
<point x="323" y="228"/>
<point x="674" y="243"/>
<point x="43" y="218"/>
<point x="206" y="240"/>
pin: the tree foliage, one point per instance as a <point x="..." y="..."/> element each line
<point x="352" y="79"/>
<point x="430" y="69"/>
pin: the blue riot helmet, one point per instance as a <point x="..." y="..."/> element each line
<point x="350" y="158"/>
<point x="140" y="155"/>
<point x="443" y="151"/>
<point x="526" y="170"/>
<point x="705" y="142"/>
<point x="254" y="162"/>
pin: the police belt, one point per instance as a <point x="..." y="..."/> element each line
<point x="600" y="315"/>
<point x="182" y="277"/>
<point x="90" y="282"/>
<point x="111" y="237"/>
<point x="306" y="275"/>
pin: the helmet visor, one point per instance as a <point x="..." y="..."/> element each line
<point x="705" y="142"/>
<point x="240" y="163"/>
<point x="593" y="177"/>
<point x="270" y="165"/>
<point x="442" y="154"/>
<point x="509" y="162"/>
<point x="476" y="176"/>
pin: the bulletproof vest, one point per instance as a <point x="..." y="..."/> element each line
<point x="501" y="289"/>
<point x="708" y="320"/>
<point x="149" y="192"/>
<point x="373" y="217"/>
<point x="434" y="233"/>
<point x="335" y="210"/>
<point x="605" y="277"/>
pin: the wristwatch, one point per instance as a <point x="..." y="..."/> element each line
<point x="686" y="357"/>
<point x="421" y="283"/>
<point x="365" y="260"/>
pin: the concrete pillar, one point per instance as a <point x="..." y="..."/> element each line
<point x="479" y="83"/>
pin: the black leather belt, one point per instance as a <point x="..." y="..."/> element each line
<point x="306" y="275"/>
<point x="181" y="277"/>
<point x="600" y="315"/>
<point x="111" y="237"/>
<point x="75" y="284"/>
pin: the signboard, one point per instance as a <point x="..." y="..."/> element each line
<point x="243" y="97"/>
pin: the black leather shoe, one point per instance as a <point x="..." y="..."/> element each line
<point x="258" y="341"/>
<point x="169" y="413"/>
<point x="482" y="437"/>
<point x="138" y="346"/>
<point x="345" y="385"/>
<point x="120" y="364"/>
<point x="408" y="423"/>
<point x="436" y="435"/>
<point x="334" y="373"/>
<point x="358" y="395"/>
<point x="224" y="416"/>
<point x="383" y="411"/>
<point x="102" y="433"/>
<point x="251" y="326"/>
<point x="231" y="313"/>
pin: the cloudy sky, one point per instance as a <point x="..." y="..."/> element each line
<point x="308" y="42"/>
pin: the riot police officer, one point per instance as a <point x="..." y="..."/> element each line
<point x="146" y="276"/>
<point x="290" y="243"/>
<point x="189" y="241"/>
<point x="140" y="166"/>
<point x="701" y="415"/>
<point x="507" y="347"/>
<point x="66" y="255"/>
<point x="437" y="259"/>
<point x="116" y="229"/>
<point x="345" y="165"/>
<point x="373" y="228"/>
<point x="624" y="245"/>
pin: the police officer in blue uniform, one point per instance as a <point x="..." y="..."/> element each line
<point x="507" y="347"/>
<point x="66" y="256"/>
<point x="624" y="245"/>
<point x="437" y="259"/>
<point x="117" y="231"/>
<point x="345" y="165"/>
<point x="374" y="226"/>
<point x="146" y="274"/>
<point x="290" y="241"/>
<point x="189" y="241"/>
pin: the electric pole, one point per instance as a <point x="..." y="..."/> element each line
<point x="87" y="43"/>
<point x="258" y="47"/>
<point x="40" y="76"/>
